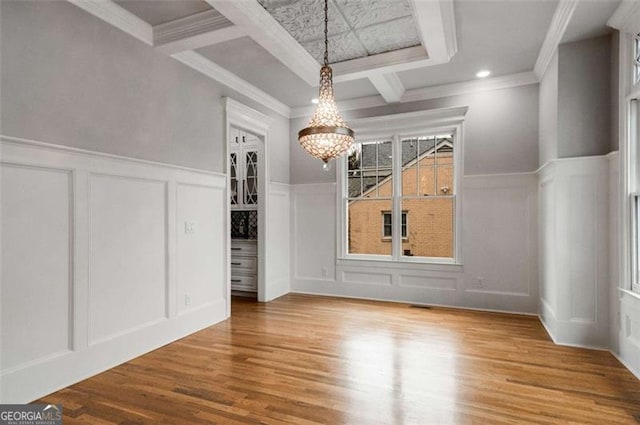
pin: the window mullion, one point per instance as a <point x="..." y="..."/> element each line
<point x="396" y="216"/>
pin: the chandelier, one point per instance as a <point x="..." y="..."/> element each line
<point x="327" y="136"/>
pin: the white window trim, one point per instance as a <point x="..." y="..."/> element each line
<point x="397" y="127"/>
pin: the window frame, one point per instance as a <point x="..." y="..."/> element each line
<point x="635" y="58"/>
<point x="396" y="128"/>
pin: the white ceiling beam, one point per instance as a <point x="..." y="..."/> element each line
<point x="229" y="79"/>
<point x="436" y="27"/>
<point x="195" y="31"/>
<point x="119" y="17"/>
<point x="556" y="31"/>
<point x="389" y="86"/>
<point x="268" y="33"/>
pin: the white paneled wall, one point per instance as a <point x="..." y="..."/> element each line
<point x="96" y="265"/>
<point x="499" y="245"/>
<point x="278" y="241"/>
<point x="37" y="258"/>
<point x="574" y="250"/>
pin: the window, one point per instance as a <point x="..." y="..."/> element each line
<point x="634" y="185"/>
<point x="387" y="227"/>
<point x="389" y="179"/>
<point x="636" y="59"/>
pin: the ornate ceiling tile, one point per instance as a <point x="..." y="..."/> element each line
<point x="342" y="47"/>
<point x="357" y="28"/>
<point x="394" y="35"/>
<point x="362" y="13"/>
<point x="304" y="19"/>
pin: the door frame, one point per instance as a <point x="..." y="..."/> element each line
<point x="245" y="118"/>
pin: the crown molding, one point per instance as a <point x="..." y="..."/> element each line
<point x="626" y="17"/>
<point x="474" y="86"/>
<point x="556" y="31"/>
<point x="216" y="72"/>
<point x="117" y="16"/>
<point x="434" y="92"/>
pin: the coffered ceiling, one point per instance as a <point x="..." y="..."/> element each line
<point x="382" y="51"/>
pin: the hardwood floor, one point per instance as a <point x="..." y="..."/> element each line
<point x="316" y="360"/>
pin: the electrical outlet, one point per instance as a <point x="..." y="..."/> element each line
<point x="480" y="281"/>
<point x="325" y="272"/>
<point x="189" y="227"/>
<point x="187" y="299"/>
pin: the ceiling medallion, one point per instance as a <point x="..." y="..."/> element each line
<point x="327" y="136"/>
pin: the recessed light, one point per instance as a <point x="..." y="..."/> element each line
<point x="315" y="101"/>
<point x="482" y="74"/>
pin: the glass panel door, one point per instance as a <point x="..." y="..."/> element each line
<point x="251" y="178"/>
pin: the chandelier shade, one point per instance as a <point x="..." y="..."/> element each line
<point x="327" y="136"/>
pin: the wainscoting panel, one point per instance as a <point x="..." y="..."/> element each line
<point x="314" y="232"/>
<point x="93" y="270"/>
<point x="36" y="258"/>
<point x="200" y="244"/>
<point x="574" y="224"/>
<point x="278" y="241"/>
<point x="128" y="250"/>
<point x="500" y="229"/>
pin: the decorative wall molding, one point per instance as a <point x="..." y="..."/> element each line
<point x="229" y="79"/>
<point x="556" y="31"/>
<point x="574" y="275"/>
<point x="119" y="17"/>
<point x="89" y="352"/>
<point x="315" y="270"/>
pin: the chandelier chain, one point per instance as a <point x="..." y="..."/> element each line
<point x="326" y="32"/>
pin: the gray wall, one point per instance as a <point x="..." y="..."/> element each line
<point x="501" y="132"/>
<point x="548" y="110"/>
<point x="71" y="79"/>
<point x="584" y="98"/>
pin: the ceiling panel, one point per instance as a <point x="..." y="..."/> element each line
<point x="503" y="36"/>
<point x="357" y="28"/>
<point x="395" y="36"/>
<point x="362" y="13"/>
<point x="157" y="12"/>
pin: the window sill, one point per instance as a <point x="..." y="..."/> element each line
<point x="431" y="265"/>
<point x="630" y="292"/>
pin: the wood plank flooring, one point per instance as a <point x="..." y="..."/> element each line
<point x="315" y="360"/>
